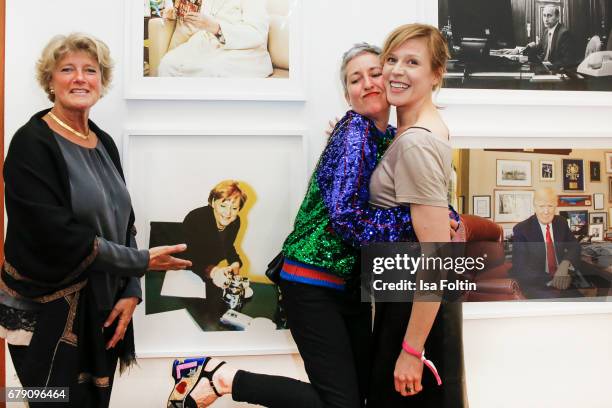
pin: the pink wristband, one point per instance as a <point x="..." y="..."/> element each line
<point x="421" y="356"/>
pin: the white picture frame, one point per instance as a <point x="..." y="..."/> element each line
<point x="169" y="173"/>
<point x="481" y="206"/>
<point x="598" y="201"/>
<point x="513" y="173"/>
<point x="137" y="86"/>
<point x="547" y="170"/>
<point x="608" y="161"/>
<point x="513" y="205"/>
<point x="599" y="217"/>
<point x="598" y="231"/>
<point x="510" y="97"/>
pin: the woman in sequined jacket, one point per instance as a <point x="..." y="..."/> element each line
<point x="320" y="277"/>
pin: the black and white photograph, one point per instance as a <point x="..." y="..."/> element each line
<point x="547" y="170"/>
<point x="557" y="45"/>
<point x="599" y="218"/>
<point x="596" y="232"/>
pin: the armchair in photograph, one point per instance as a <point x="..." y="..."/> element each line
<point x="162" y="31"/>
<point x="494" y="284"/>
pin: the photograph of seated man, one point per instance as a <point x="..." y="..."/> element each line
<point x="555" y="48"/>
<point x="543" y="251"/>
<point x="535" y="45"/>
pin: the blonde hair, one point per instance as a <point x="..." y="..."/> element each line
<point x="227" y="189"/>
<point x="436" y="44"/>
<point x="61" y="45"/>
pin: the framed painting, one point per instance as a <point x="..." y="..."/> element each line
<point x="515" y="173"/>
<point x="513" y="205"/>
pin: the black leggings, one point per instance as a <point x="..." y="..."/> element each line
<point x="332" y="331"/>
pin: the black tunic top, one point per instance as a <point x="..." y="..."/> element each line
<point x="100" y="199"/>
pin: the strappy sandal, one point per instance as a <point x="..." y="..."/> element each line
<point x="187" y="374"/>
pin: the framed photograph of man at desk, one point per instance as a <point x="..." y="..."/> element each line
<point x="535" y="45"/>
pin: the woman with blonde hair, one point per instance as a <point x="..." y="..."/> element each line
<point x="414" y="61"/>
<point x="70" y="280"/>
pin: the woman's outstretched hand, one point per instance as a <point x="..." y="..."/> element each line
<point x="161" y="259"/>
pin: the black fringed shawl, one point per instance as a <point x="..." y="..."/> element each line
<point x="48" y="253"/>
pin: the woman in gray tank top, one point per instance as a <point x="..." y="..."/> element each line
<point x="415" y="172"/>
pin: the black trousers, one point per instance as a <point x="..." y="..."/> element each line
<point x="332" y="331"/>
<point x="444" y="346"/>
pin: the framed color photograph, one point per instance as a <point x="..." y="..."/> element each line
<point x="598" y="201"/>
<point x="574" y="200"/>
<point x="207" y="307"/>
<point x="513" y="205"/>
<point x="481" y="206"/>
<point x="599" y="218"/>
<point x="515" y="173"/>
<point x="256" y="54"/>
<point x="573" y="174"/>
<point x="577" y="220"/>
<point x="610" y="189"/>
<point x="547" y="170"/>
<point x="595" y="171"/>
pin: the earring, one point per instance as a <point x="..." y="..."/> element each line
<point x="51" y="90"/>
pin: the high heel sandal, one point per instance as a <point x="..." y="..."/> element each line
<point x="187" y="374"/>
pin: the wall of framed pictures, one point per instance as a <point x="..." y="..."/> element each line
<point x="499" y="118"/>
<point x="502" y="183"/>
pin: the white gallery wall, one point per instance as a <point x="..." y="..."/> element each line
<point x="527" y="355"/>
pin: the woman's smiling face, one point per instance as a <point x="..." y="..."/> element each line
<point x="408" y="76"/>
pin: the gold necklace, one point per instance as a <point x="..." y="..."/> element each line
<point x="68" y="128"/>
